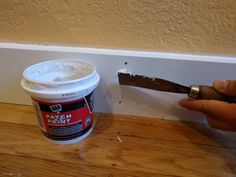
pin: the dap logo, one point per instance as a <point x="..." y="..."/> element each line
<point x="56" y="108"/>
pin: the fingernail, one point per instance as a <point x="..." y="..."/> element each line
<point x="220" y="85"/>
<point x="184" y="102"/>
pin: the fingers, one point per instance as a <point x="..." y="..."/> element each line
<point x="219" y="114"/>
<point x="216" y="109"/>
<point x="227" y="87"/>
<point x="220" y="124"/>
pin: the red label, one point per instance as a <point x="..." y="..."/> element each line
<point x="66" y="120"/>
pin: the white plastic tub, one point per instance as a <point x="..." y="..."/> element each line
<point x="62" y="94"/>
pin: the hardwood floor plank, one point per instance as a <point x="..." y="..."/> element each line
<point x="23" y="166"/>
<point x="135" y="154"/>
<point x="119" y="146"/>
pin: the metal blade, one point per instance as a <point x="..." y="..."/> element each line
<point x="151" y="83"/>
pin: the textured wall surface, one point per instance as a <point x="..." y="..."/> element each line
<point x="199" y="26"/>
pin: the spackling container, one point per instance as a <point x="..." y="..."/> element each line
<point x="62" y="94"/>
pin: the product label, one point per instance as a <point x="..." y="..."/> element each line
<point x="65" y="120"/>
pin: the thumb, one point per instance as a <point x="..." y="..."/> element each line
<point x="227" y="87"/>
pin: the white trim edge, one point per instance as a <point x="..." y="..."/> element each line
<point x="114" y="52"/>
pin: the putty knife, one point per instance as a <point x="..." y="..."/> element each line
<point x="194" y="91"/>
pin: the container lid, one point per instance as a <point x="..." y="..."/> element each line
<point x="60" y="78"/>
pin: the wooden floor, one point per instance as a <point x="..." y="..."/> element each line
<point x="119" y="146"/>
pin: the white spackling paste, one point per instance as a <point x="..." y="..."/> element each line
<point x="58" y="71"/>
<point x="62" y="94"/>
<point x="60" y="79"/>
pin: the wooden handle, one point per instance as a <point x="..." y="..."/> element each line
<point x="209" y="93"/>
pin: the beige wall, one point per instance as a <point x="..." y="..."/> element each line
<point x="189" y="26"/>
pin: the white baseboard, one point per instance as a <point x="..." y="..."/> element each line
<point x="110" y="96"/>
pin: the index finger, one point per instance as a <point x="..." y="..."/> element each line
<point x="217" y="109"/>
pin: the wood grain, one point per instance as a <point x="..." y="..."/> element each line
<point x="119" y="146"/>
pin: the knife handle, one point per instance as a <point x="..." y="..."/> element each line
<point x="209" y="93"/>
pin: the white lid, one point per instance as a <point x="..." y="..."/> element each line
<point x="59" y="79"/>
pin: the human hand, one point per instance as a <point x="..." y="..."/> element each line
<point x="219" y="114"/>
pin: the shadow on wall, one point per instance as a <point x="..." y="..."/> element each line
<point x="163" y="104"/>
<point x="102" y="95"/>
